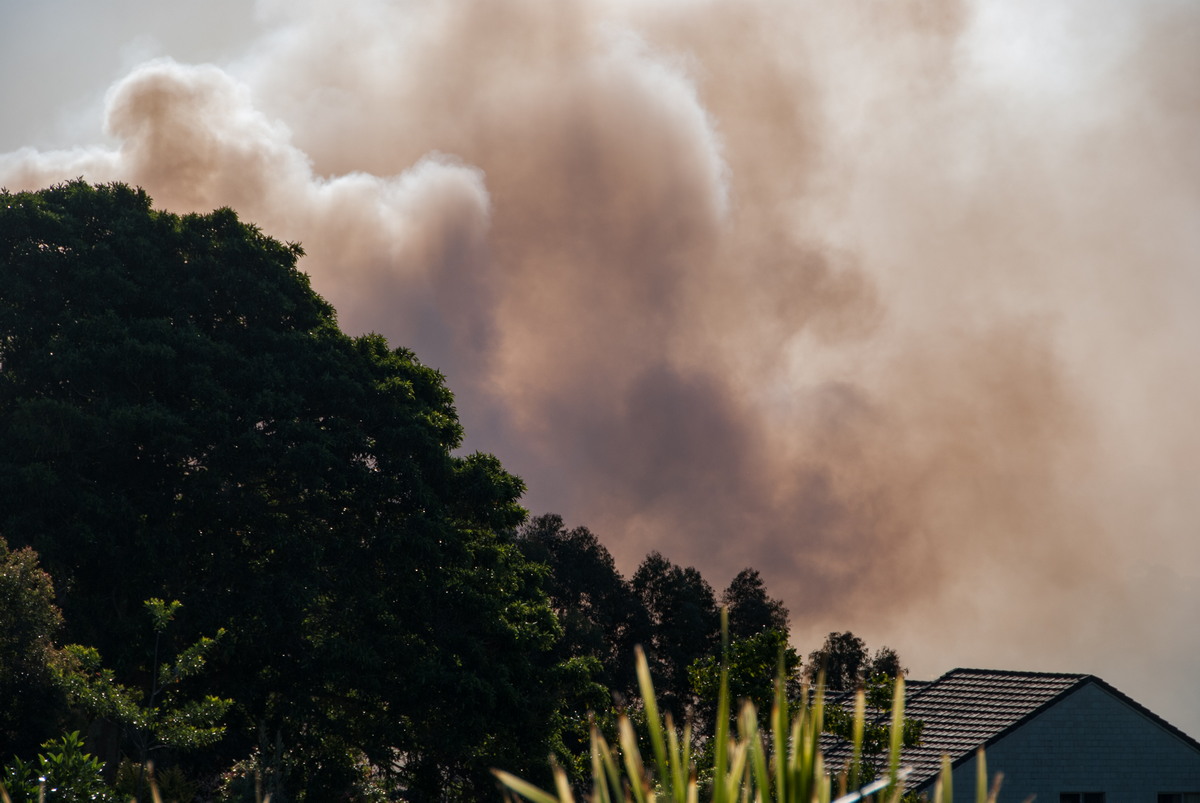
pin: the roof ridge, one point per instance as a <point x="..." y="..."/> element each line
<point x="1020" y="672"/>
<point x="1017" y="672"/>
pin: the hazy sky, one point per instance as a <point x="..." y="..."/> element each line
<point x="894" y="301"/>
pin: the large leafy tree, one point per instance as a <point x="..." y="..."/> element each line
<point x="181" y="418"/>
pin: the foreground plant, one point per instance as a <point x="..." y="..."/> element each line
<point x="62" y="772"/>
<point x="781" y="762"/>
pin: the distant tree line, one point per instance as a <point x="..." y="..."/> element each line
<point x="241" y="544"/>
<point x="674" y="613"/>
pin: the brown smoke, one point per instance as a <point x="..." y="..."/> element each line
<point x="823" y="289"/>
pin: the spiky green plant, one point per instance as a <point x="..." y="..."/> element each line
<point x="782" y="764"/>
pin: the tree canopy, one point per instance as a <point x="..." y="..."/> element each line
<point x="685" y="625"/>
<point x="599" y="612"/>
<point x="268" y="552"/>
<point x="846" y="663"/>
<point x="181" y="418"/>
<point x="751" y="611"/>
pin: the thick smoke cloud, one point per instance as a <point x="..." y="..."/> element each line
<point x="892" y="301"/>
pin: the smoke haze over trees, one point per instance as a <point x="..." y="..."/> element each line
<point x="269" y="559"/>
<point x="895" y="303"/>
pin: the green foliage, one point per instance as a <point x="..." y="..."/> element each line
<point x="179" y="410"/>
<point x="871" y="728"/>
<point x="64" y="772"/>
<point x="780" y="761"/>
<point x="751" y="665"/>
<point x="261" y="776"/>
<point x="781" y="764"/>
<point x="844" y="662"/>
<point x="599" y="613"/>
<point x="684" y="626"/>
<point x="135" y="781"/>
<point x="585" y="703"/>
<point x="159" y="716"/>
<point x="29" y="621"/>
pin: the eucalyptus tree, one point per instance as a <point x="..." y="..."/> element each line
<point x="685" y="625"/>
<point x="751" y="611"/>
<point x="599" y="612"/>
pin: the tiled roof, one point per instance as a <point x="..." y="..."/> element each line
<point x="966" y="709"/>
<point x="963" y="710"/>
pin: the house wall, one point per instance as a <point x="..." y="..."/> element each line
<point x="1090" y="741"/>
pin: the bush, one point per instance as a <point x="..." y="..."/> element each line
<point x="63" y="773"/>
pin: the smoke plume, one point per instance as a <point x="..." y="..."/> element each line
<point x="894" y="302"/>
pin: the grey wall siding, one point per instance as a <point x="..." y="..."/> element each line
<point x="1090" y="741"/>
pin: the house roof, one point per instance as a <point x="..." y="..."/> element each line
<point x="966" y="709"/>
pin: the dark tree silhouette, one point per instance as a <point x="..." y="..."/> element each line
<point x="600" y="615"/>
<point x="885" y="662"/>
<point x="841" y="659"/>
<point x="684" y="624"/>
<point x="180" y="417"/>
<point x="751" y="611"/>
<point x="847" y="664"/>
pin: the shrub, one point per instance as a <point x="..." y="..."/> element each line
<point x="63" y="773"/>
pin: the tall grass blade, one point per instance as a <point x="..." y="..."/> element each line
<point x="734" y="780"/>
<point x="749" y="735"/>
<point x="981" y="781"/>
<point x="154" y="793"/>
<point x="562" y="785"/>
<point x="947" y="782"/>
<point x="599" y="776"/>
<point x="721" y="747"/>
<point x="897" y="735"/>
<point x="779" y="733"/>
<point x="632" y="757"/>
<point x="811" y="755"/>
<point x="677" y="763"/>
<point x="689" y="768"/>
<point x="524" y="788"/>
<point x="860" y="716"/>
<point x="611" y="779"/>
<point x="995" y="793"/>
<point x="653" y="721"/>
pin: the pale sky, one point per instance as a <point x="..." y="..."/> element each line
<point x="895" y="302"/>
